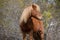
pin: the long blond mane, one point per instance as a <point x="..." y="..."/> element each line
<point x="27" y="12"/>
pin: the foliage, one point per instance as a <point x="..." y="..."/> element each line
<point x="58" y="2"/>
<point x="47" y="16"/>
<point x="21" y="3"/>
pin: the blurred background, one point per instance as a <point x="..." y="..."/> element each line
<point x="10" y="11"/>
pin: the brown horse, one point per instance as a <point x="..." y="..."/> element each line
<point x="27" y="21"/>
<point x="38" y="30"/>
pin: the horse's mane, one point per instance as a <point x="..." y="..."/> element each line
<point x="27" y="13"/>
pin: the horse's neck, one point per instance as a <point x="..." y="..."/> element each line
<point x="34" y="19"/>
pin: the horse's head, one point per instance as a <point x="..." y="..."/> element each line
<point x="33" y="10"/>
<point x="36" y="11"/>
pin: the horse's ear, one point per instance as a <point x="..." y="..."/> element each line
<point x="33" y="6"/>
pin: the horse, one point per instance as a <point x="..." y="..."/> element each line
<point x="27" y="18"/>
<point x="38" y="30"/>
<point x="37" y="26"/>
